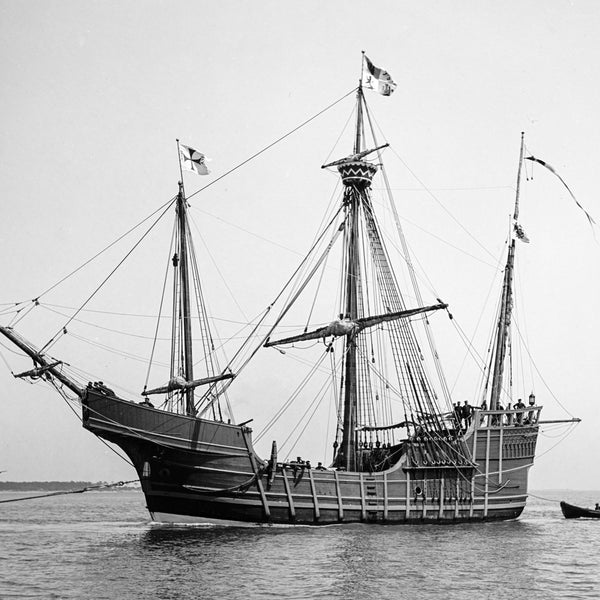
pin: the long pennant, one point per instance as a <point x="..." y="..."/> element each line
<point x="552" y="170"/>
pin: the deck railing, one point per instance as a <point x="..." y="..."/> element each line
<point x="518" y="417"/>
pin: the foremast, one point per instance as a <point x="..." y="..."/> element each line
<point x="186" y="288"/>
<point x="182" y="262"/>
<point x="506" y="303"/>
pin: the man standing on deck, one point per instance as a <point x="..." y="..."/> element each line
<point x="519" y="406"/>
<point x="457" y="414"/>
<point x="467" y="414"/>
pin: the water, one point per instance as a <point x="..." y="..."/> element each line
<point x="101" y="545"/>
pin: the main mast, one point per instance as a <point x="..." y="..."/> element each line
<point x="370" y="297"/>
<point x="506" y="305"/>
<point x="356" y="176"/>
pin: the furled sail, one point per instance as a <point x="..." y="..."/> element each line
<point x="352" y="327"/>
<point x="179" y="383"/>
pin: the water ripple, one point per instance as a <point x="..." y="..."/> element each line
<point x="101" y="546"/>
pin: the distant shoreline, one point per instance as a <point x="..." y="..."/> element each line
<point x="61" y="486"/>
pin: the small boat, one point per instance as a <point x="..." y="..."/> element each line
<point x="575" y="512"/>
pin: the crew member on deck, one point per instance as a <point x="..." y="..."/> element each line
<point x="518" y="406"/>
<point x="483" y="407"/>
<point x="467" y="413"/>
<point x="457" y="414"/>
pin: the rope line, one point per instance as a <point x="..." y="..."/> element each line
<point x="166" y="204"/>
<point x="272" y="144"/>
<point x="66" y="492"/>
<point x="64" y="328"/>
<point x="542" y="498"/>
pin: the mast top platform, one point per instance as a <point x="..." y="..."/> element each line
<point x="357" y="172"/>
<point x="354" y="170"/>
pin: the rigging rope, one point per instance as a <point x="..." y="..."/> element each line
<point x="318" y="399"/>
<point x="68" y="401"/>
<point x="160" y="308"/>
<point x="539" y="374"/>
<point x="283" y="137"/>
<point x="290" y="400"/>
<point x="64" y="328"/>
<point x="87" y="262"/>
<point x="284" y="311"/>
<point x="430" y="193"/>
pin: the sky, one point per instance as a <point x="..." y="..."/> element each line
<point x="95" y="94"/>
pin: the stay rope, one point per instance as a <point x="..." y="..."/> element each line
<point x="119" y="264"/>
<point x="283" y="137"/>
<point x="35" y="301"/>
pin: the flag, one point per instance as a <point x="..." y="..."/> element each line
<point x="552" y="170"/>
<point x="385" y="84"/>
<point x="192" y="160"/>
<point x="520" y="233"/>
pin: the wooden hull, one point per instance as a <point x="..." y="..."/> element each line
<point x="571" y="511"/>
<point x="196" y="470"/>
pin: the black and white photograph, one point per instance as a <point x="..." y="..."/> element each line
<point x="299" y="299"/>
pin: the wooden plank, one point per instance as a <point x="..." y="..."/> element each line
<point x="263" y="497"/>
<point x="314" y="495"/>
<point x="385" y="497"/>
<point x="456" y="493"/>
<point x="258" y="476"/>
<point x="363" y="509"/>
<point x="339" y="496"/>
<point x="475" y="436"/>
<point x="286" y="485"/>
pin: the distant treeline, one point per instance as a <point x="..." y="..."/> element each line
<point x="53" y="486"/>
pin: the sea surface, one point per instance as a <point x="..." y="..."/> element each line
<point x="100" y="545"/>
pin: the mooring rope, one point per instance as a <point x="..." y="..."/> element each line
<point x="553" y="500"/>
<point x="65" y="492"/>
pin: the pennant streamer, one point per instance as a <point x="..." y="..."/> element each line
<point x="552" y="170"/>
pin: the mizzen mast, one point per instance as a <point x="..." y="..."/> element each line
<point x="506" y="305"/>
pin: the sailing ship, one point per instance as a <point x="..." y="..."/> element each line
<point x="435" y="463"/>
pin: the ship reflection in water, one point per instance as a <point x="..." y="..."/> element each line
<point x="361" y="561"/>
<point x="98" y="545"/>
